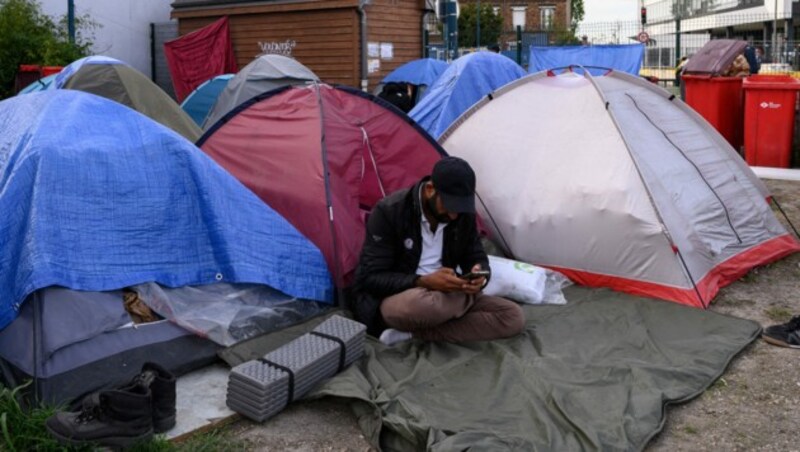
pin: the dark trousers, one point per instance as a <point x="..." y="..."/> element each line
<point x="452" y="317"/>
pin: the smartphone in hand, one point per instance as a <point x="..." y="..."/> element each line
<point x="475" y="275"/>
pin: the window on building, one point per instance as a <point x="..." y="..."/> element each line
<point x="518" y="16"/>
<point x="546" y="16"/>
<point x="496" y="10"/>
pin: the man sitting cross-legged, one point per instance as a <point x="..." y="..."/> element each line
<point x="406" y="278"/>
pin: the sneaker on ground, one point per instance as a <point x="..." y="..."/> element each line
<point x="391" y="336"/>
<point x="784" y="335"/>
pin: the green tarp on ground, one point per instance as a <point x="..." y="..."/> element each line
<point x="595" y="374"/>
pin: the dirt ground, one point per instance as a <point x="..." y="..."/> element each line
<point x="753" y="407"/>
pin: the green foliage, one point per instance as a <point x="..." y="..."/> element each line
<point x="563" y="37"/>
<point x="576" y="8"/>
<point x="778" y="314"/>
<point x="23" y="429"/>
<point x="20" y="428"/>
<point x="491" y="25"/>
<point x="28" y="36"/>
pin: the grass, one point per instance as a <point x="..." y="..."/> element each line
<point x="778" y="314"/>
<point x="24" y="429"/>
<point x="690" y="430"/>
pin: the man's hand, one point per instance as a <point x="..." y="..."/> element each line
<point x="443" y="280"/>
<point x="474" y="286"/>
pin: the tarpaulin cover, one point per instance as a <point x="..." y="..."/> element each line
<point x="465" y="82"/>
<point x="322" y="156"/>
<point x="98" y="197"/>
<point x="626" y="58"/>
<point x="424" y="71"/>
<point x="196" y="57"/>
<point x="595" y="374"/>
<point x="199" y="102"/>
<point x="228" y="313"/>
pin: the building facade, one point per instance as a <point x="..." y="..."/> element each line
<point x="124" y="30"/>
<point x="680" y="27"/>
<point x="350" y="42"/>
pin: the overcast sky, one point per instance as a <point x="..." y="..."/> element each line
<point x="609" y="10"/>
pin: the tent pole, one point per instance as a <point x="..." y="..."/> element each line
<point x="337" y="270"/>
<point x="37" y="316"/>
<point x="785" y="216"/>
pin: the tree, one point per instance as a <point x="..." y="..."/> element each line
<point x="491" y="25"/>
<point x="576" y="7"/>
<point x="28" y="36"/>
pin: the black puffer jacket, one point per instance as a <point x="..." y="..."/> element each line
<point x="393" y="247"/>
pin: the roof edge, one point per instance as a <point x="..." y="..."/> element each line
<point x="185" y="8"/>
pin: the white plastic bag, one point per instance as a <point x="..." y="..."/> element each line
<point x="525" y="283"/>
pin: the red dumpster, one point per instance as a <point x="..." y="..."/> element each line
<point x="719" y="101"/>
<point x="50" y="70"/>
<point x="27" y="74"/>
<point x="769" y="119"/>
<point x="710" y="92"/>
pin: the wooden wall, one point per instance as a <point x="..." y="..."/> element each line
<point x="327" y="33"/>
<point x="397" y="23"/>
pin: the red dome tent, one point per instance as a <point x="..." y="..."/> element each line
<point x="322" y="156"/>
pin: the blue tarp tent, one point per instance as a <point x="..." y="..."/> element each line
<point x="98" y="197"/>
<point x="199" y="102"/>
<point x="597" y="58"/>
<point x="465" y="82"/>
<point x="39" y="85"/>
<point x="424" y="71"/>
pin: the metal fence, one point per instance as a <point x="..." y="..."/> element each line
<point x="668" y="38"/>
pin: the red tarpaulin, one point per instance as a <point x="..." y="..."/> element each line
<point x="199" y="56"/>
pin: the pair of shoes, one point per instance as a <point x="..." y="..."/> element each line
<point x="121" y="417"/>
<point x="391" y="336"/>
<point x="785" y="335"/>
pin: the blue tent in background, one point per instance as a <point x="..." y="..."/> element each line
<point x="199" y="102"/>
<point x="424" y="71"/>
<point x="596" y="58"/>
<point x="39" y="85"/>
<point x="465" y="82"/>
<point x="101" y="208"/>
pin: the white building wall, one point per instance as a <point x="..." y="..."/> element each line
<point x="124" y="31"/>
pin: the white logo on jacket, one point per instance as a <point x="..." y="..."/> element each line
<point x="409" y="243"/>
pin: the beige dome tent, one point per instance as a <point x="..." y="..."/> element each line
<point x="115" y="80"/>
<point x="616" y="183"/>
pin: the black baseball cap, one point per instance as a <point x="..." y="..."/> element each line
<point x="454" y="180"/>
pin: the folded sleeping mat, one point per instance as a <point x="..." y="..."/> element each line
<point x="261" y="388"/>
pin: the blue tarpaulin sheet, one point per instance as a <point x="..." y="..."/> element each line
<point x="625" y="58"/>
<point x="96" y="196"/>
<point x="464" y="83"/>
